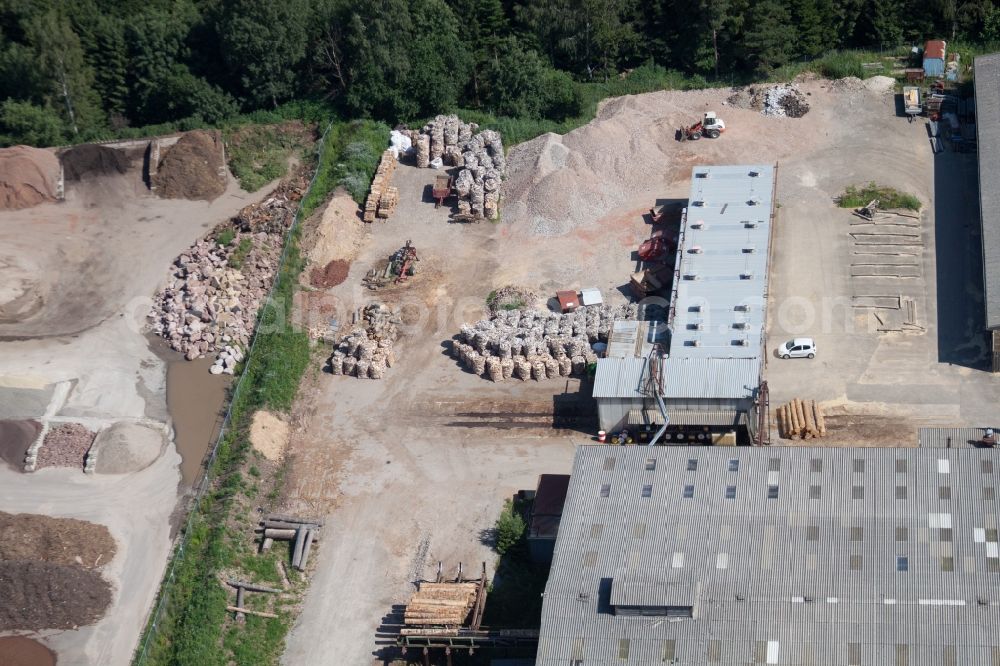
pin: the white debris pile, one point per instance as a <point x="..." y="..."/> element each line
<point x="448" y="141"/>
<point x="785" y="101"/>
<point x="367" y="352"/>
<point x="212" y="296"/>
<point x="532" y="344"/>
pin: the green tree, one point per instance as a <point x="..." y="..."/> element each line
<point x="394" y="76"/>
<point x="27" y="123"/>
<point x="156" y="44"/>
<point x="263" y="42"/>
<point x="509" y="528"/>
<point x="109" y="59"/>
<point x="519" y="83"/>
<point x="484" y="25"/>
<point x="769" y="35"/>
<point x="66" y="77"/>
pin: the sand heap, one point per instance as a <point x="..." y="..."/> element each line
<point x="479" y="155"/>
<point x="28" y="176"/>
<point x="90" y="160"/>
<point x="534" y="344"/>
<point x="192" y="168"/>
<point x="126" y="447"/>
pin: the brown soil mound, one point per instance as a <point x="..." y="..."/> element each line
<point x="28" y="176"/>
<point x="65" y="445"/>
<point x="33" y="537"/>
<point x="39" y="596"/>
<point x="333" y="274"/>
<point x="23" y="651"/>
<point x="190" y="168"/>
<point x="93" y="160"/>
<point x="15" y="439"/>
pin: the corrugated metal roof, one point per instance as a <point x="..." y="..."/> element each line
<point x="943" y="438"/>
<point x="620" y="378"/>
<point x="720" y="295"/>
<point x="987" y="69"/>
<point x="632" y="338"/>
<point x="710" y="377"/>
<point x="809" y="573"/>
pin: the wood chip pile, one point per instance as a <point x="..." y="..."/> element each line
<point x="367" y="352"/>
<point x="441" y="604"/>
<point x="801" y="419"/>
<point x="479" y="155"/>
<point x="382" y="198"/>
<point x="531" y="344"/>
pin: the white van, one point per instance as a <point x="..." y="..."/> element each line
<point x="798" y="348"/>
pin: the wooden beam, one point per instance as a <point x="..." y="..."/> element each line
<point x="294" y="519"/>
<point x="248" y="611"/>
<point x="300" y="539"/>
<point x="305" y="549"/>
<point x="252" y="587"/>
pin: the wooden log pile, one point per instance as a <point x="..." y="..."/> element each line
<point x="367" y="353"/>
<point x="381" y="188"/>
<point x="441" y="605"/>
<point x="302" y="532"/>
<point x="801" y="419"/>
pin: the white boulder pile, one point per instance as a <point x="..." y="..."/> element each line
<point x="225" y="362"/>
<point x="447" y="141"/>
<point x="209" y="304"/>
<point x="367" y="353"/>
<point x="779" y="100"/>
<point x="534" y="344"/>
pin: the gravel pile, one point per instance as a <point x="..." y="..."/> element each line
<point x="65" y="445"/>
<point x="126" y="447"/>
<point x="532" y="344"/>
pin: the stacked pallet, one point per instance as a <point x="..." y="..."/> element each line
<point x="381" y="187"/>
<point x="387" y="204"/>
<point x="441" y="604"/>
<point x="801" y="419"/>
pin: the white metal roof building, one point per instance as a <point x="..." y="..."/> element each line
<point x="776" y="555"/>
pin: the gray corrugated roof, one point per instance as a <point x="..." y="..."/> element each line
<point x="809" y="577"/>
<point x="987" y="69"/>
<point x="620" y="378"/>
<point x="710" y="378"/>
<point x="723" y="288"/>
<point x="959" y="437"/>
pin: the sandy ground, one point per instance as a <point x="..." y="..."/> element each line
<point x="72" y="350"/>
<point x="409" y="470"/>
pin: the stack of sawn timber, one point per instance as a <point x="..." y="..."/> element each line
<point x="801" y="419"/>
<point x="381" y="189"/>
<point x="440" y="605"/>
<point x="302" y="532"/>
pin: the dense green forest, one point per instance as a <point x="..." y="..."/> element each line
<point x="73" y="70"/>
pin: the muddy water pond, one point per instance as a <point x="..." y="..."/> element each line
<point x="23" y="651"/>
<point x="195" y="400"/>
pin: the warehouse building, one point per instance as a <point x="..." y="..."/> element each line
<point x="777" y="555"/>
<point x="710" y="377"/>
<point x="987" y="70"/>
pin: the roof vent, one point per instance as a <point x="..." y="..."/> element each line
<point x="698" y="203"/>
<point x="749" y="224"/>
<point x="695" y="308"/>
<point x="746" y="276"/>
<point x="698" y="224"/>
<point x="754" y="173"/>
<point x="742" y="325"/>
<point x="696" y="249"/>
<point x="690" y="276"/>
<point x="753" y="201"/>
<point x="701" y="174"/>
<point x="749" y="250"/>
<point x="742" y="307"/>
<point x="693" y="343"/>
<point x="742" y="343"/>
<point x="696" y="326"/>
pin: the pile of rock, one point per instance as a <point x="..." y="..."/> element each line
<point x="780" y="100"/>
<point x="479" y="155"/>
<point x="208" y="305"/>
<point x="532" y="344"/>
<point x="225" y="362"/>
<point x="368" y="352"/>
